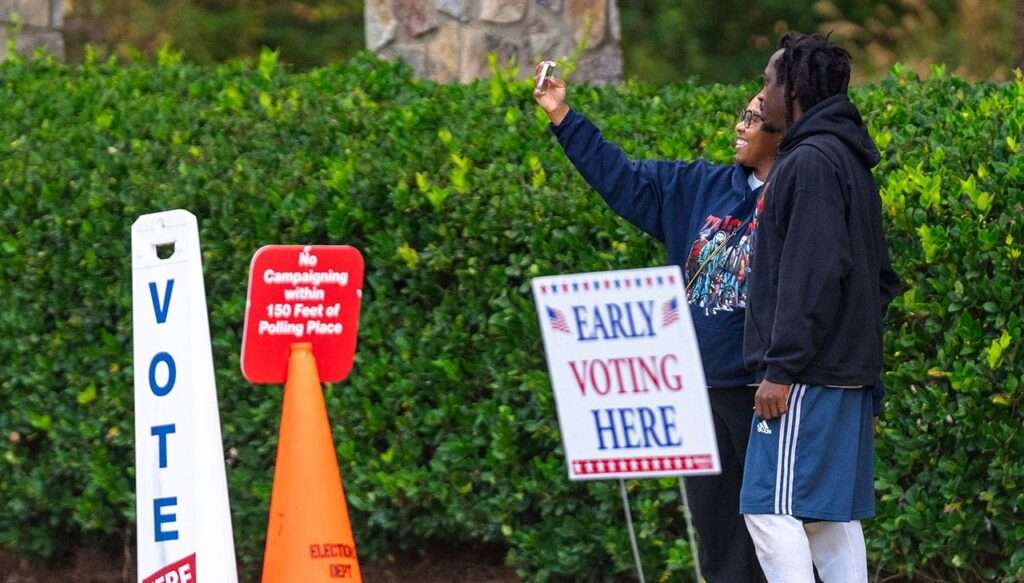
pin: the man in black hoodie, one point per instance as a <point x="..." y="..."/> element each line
<point x="819" y="284"/>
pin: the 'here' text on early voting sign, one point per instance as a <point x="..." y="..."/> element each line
<point x="627" y="374"/>
<point x="302" y="294"/>
<point x="183" y="518"/>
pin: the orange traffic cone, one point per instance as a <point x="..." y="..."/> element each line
<point x="309" y="537"/>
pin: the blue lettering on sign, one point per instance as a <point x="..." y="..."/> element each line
<point x="668" y="421"/>
<point x="161" y="312"/>
<point x="161" y="432"/>
<point x="171" y="374"/>
<point x="626" y="417"/>
<point x="603" y="428"/>
<point x="642" y="427"/>
<point x="614" y="321"/>
<point x="159" y="519"/>
<point x="162" y="518"/>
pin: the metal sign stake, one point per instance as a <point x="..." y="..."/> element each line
<point x="690" y="530"/>
<point x="632" y="535"/>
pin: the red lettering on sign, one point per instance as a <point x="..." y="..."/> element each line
<point x="646" y="374"/>
<point x="183" y="571"/>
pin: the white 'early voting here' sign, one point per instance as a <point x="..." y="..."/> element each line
<point x="627" y="374"/>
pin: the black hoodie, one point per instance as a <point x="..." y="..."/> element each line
<point x="820" y="274"/>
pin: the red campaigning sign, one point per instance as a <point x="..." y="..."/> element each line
<point x="302" y="294"/>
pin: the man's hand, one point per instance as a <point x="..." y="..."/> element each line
<point x="770" y="399"/>
<point x="551" y="97"/>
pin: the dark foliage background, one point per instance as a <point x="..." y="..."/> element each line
<point x="664" y="41"/>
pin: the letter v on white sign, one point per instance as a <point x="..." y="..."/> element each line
<point x="181" y="490"/>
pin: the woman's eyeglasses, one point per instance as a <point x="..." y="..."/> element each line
<point x="748" y="117"/>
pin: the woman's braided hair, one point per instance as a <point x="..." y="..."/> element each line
<point x="813" y="68"/>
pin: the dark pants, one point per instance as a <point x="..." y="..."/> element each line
<point x="726" y="553"/>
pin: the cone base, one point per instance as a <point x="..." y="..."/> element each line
<point x="309" y="535"/>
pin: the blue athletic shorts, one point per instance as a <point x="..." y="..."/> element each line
<point x="816" y="462"/>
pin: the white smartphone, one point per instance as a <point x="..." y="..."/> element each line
<point x="546" y="69"/>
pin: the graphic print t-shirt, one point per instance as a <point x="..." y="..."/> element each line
<point x="719" y="261"/>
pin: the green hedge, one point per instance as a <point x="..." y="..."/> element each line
<point x="457" y="196"/>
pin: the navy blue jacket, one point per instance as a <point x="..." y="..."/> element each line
<point x="694" y="208"/>
<point x="821" y="278"/>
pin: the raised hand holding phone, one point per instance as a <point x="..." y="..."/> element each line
<point x="549" y="91"/>
<point x="546" y="69"/>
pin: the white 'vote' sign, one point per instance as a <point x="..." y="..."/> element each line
<point x="627" y="374"/>
<point x="183" y="518"/>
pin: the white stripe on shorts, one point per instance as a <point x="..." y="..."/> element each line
<point x="798" y="402"/>
<point x="785" y="464"/>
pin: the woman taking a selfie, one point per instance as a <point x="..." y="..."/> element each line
<point x="705" y="215"/>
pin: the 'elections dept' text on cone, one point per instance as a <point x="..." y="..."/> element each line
<point x="309" y="537"/>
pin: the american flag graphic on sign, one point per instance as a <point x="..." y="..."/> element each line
<point x="558" y="321"/>
<point x="670" y="312"/>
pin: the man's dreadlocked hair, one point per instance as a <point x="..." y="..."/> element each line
<point x="813" y="68"/>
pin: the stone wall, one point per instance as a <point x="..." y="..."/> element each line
<point x="449" y="40"/>
<point x="40" y="22"/>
